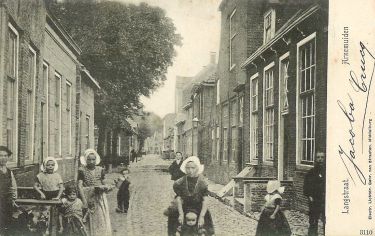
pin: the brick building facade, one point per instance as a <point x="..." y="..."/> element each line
<point x="286" y="93"/>
<point x="39" y="86"/>
<point x="265" y="110"/>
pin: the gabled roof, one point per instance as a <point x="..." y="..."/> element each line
<point x="61" y="32"/>
<point x="207" y="74"/>
<point x="297" y="18"/>
<point x="89" y="77"/>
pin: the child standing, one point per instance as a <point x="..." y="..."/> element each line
<point x="71" y="214"/>
<point x="49" y="183"/>
<point x="272" y="220"/>
<point x="123" y="193"/>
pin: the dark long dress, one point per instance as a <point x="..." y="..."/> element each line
<point x="192" y="191"/>
<point x="7" y="194"/>
<point x="175" y="171"/>
<point x="272" y="227"/>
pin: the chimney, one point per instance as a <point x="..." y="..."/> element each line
<point x="212" y="57"/>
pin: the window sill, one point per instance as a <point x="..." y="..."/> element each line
<point x="268" y="162"/>
<point x="303" y="167"/>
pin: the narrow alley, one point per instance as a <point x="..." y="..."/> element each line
<point x="151" y="193"/>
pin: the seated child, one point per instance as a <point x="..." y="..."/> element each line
<point x="123" y="194"/>
<point x="190" y="228"/>
<point x="71" y="214"/>
<point x="49" y="183"/>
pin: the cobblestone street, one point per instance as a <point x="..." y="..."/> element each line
<point x="151" y="193"/>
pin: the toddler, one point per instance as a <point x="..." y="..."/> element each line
<point x="190" y="228"/>
<point x="123" y="193"/>
<point x="71" y="214"/>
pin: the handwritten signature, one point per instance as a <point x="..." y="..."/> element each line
<point x="362" y="85"/>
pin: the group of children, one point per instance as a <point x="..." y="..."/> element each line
<point x="72" y="212"/>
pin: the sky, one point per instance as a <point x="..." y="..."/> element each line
<point x="198" y="22"/>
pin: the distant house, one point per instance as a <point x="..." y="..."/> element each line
<point x="194" y="110"/>
<point x="168" y="133"/>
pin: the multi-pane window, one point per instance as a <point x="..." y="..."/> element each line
<point x="11" y="115"/>
<point x="57" y="114"/>
<point x="233" y="115"/>
<point x="68" y="94"/>
<point x="269" y="25"/>
<point x="307" y="73"/>
<point x="201" y="106"/>
<point x="217" y="143"/>
<point x="11" y="102"/>
<point x="233" y="143"/>
<point x="12" y="63"/>
<point x="225" y="144"/>
<point x="232" y="35"/>
<point x="225" y="110"/>
<point x="268" y="115"/>
<point x="218" y="92"/>
<point x="31" y="56"/>
<point x="254" y="129"/>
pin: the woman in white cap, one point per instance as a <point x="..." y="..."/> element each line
<point x="93" y="192"/>
<point x="272" y="220"/>
<point x="49" y="183"/>
<point x="192" y="193"/>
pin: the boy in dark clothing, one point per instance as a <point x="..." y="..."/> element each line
<point x="314" y="190"/>
<point x="123" y="193"/>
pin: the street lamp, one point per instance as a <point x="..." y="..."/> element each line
<point x="195" y="122"/>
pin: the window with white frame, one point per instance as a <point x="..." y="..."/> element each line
<point x="306" y="82"/>
<point x="232" y="35"/>
<point x="217" y="143"/>
<point x="57" y="111"/>
<point x="218" y="92"/>
<point x="12" y="91"/>
<point x="254" y="129"/>
<point x="68" y="94"/>
<point x="225" y="144"/>
<point x="269" y="25"/>
<point x="268" y="113"/>
<point x="29" y="129"/>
